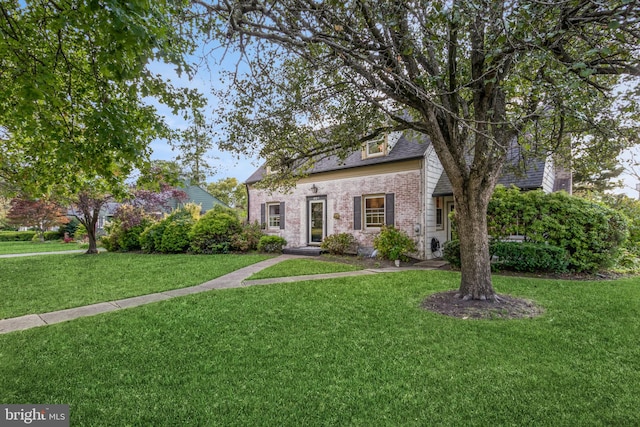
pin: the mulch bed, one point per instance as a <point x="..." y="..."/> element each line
<point x="507" y="307"/>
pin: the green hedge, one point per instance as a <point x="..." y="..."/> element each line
<point x="16" y="236"/>
<point x="529" y="257"/>
<point x="525" y="257"/>
<point x="592" y="233"/>
<point x="48" y="235"/>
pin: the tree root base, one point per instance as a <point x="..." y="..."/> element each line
<point x="454" y="304"/>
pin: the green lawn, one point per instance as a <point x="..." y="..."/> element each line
<point x="301" y="267"/>
<point x="54" y="282"/>
<point x="27" y="247"/>
<point x="348" y="351"/>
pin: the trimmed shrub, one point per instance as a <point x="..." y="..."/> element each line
<point x="271" y="244"/>
<point x="175" y="236"/>
<point x="516" y="256"/>
<point x="47" y="235"/>
<point x="151" y="237"/>
<point x="529" y="257"/>
<point x="53" y="235"/>
<point x="16" y="236"/>
<point x="171" y="234"/>
<point x="340" y="244"/>
<point x="213" y="233"/>
<point x="393" y="244"/>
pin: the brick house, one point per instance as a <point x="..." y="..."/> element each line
<point x="395" y="180"/>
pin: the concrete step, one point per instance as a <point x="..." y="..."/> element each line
<point x="303" y="250"/>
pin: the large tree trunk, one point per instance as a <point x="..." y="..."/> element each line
<point x="93" y="243"/>
<point x="471" y="223"/>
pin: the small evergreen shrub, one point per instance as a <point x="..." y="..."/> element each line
<point x="516" y="256"/>
<point x="529" y="257"/>
<point x="214" y="231"/>
<point x="171" y="234"/>
<point x="70" y="227"/>
<point x="451" y="253"/>
<point x="151" y="237"/>
<point x="175" y="236"/>
<point x="340" y="244"/>
<point x="393" y="244"/>
<point x="271" y="244"/>
<point x="16" y="236"/>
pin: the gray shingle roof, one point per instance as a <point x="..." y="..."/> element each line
<point x="529" y="179"/>
<point x="404" y="149"/>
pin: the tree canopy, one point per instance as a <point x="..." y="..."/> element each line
<point x="39" y="214"/>
<point x="230" y="192"/>
<point x="476" y="77"/>
<point x="75" y="76"/>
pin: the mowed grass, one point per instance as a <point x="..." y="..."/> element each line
<point x="28" y="247"/>
<point x="302" y="267"/>
<point x="42" y="284"/>
<point x="351" y="351"/>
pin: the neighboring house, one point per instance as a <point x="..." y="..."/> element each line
<point x="199" y="196"/>
<point x="393" y="181"/>
<point x="195" y="194"/>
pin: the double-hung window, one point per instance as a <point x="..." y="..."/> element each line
<point x="374" y="211"/>
<point x="273" y="214"/>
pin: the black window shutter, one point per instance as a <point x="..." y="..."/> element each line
<point x="357" y="213"/>
<point x="389" y="209"/>
<point x="281" y="215"/>
<point x="263" y="214"/>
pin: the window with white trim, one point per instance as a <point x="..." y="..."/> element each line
<point x="373" y="211"/>
<point x="375" y="148"/>
<point x="273" y="215"/>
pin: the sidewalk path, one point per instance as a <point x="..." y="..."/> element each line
<point x="73" y="251"/>
<point x="235" y="279"/>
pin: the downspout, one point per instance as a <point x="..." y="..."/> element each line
<point x="248" y="203"/>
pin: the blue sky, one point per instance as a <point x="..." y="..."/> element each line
<point x="225" y="163"/>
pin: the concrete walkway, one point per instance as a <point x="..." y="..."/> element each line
<point x="235" y="279"/>
<point x="73" y="251"/>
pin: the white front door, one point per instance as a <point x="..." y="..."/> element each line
<point x="317" y="224"/>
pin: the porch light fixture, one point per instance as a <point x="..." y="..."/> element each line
<point x="314" y="189"/>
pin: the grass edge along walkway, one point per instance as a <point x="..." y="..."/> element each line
<point x="234" y="279"/>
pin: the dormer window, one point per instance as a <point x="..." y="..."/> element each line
<point x="375" y="148"/>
